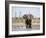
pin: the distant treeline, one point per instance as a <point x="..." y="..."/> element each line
<point x="22" y="20"/>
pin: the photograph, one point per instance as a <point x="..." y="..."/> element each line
<point x="25" y="18"/>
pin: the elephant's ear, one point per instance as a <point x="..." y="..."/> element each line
<point x="31" y="16"/>
<point x="24" y="16"/>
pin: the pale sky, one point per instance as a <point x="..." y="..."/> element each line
<point x="35" y="11"/>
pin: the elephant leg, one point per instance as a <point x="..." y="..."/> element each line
<point x="26" y="25"/>
<point x="30" y="26"/>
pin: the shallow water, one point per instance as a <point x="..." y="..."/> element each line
<point x="23" y="28"/>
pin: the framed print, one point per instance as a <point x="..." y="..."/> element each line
<point x="24" y="18"/>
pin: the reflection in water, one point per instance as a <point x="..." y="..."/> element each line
<point x="23" y="28"/>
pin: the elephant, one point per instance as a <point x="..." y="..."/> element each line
<point x="28" y="20"/>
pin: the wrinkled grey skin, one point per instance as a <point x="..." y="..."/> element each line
<point x="28" y="20"/>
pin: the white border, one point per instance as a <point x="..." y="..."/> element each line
<point x="25" y="32"/>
